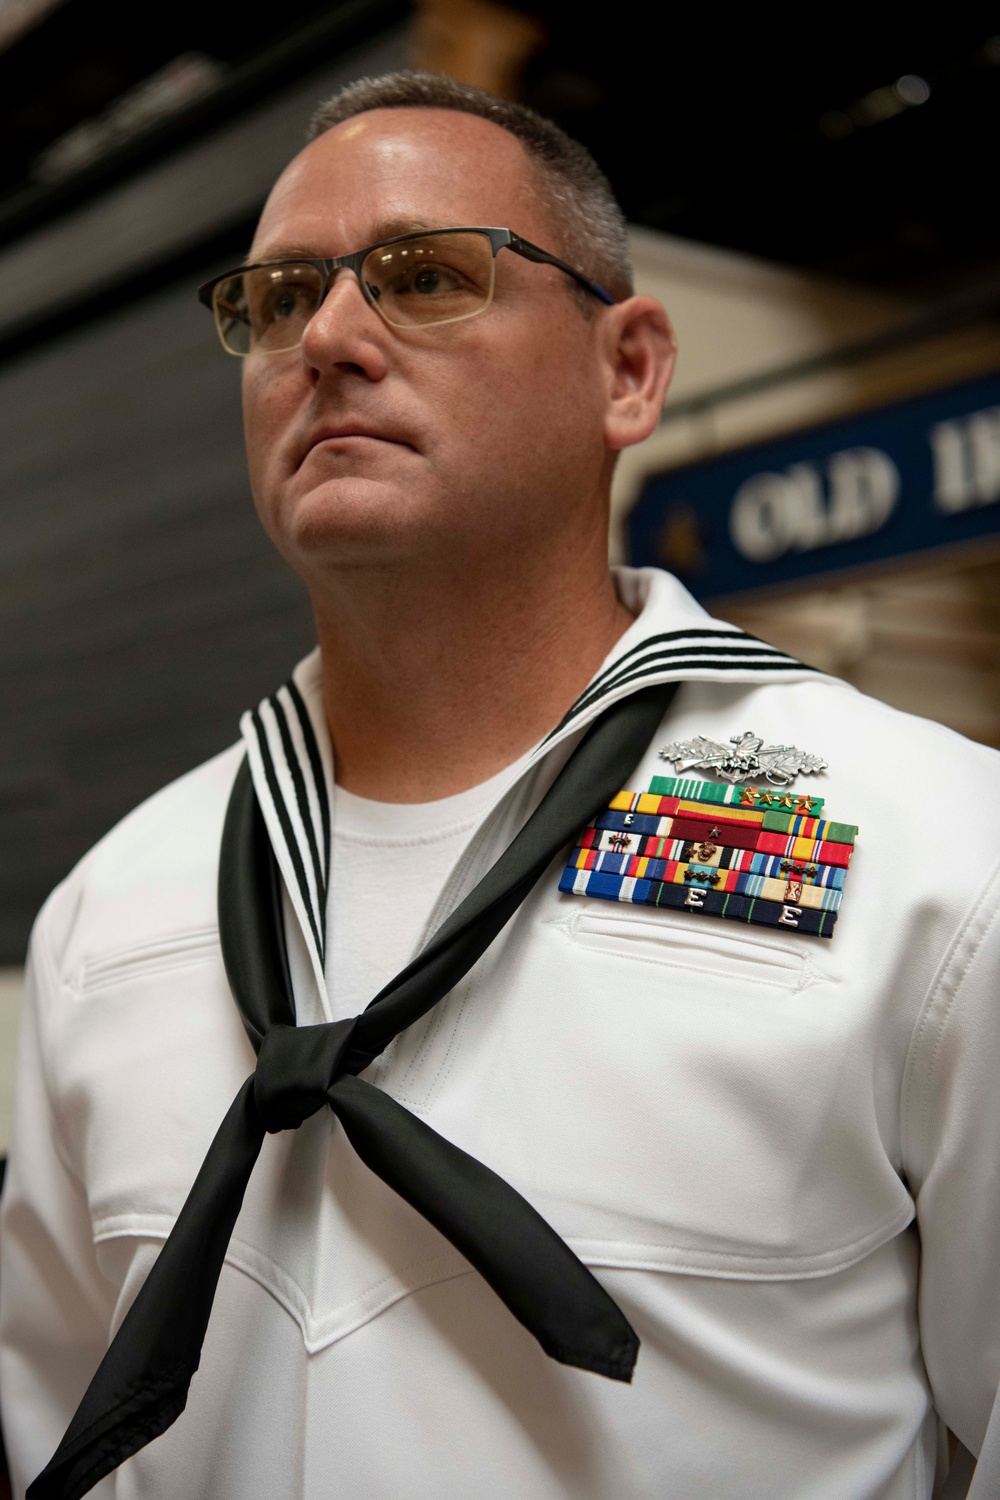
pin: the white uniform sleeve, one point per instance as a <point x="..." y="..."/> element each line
<point x="55" y="1307"/>
<point x="951" y="1134"/>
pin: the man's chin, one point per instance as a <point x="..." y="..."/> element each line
<point x="355" y="521"/>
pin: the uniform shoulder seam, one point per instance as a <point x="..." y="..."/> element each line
<point x="935" y="1012"/>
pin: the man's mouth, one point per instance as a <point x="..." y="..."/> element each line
<point x="330" y="435"/>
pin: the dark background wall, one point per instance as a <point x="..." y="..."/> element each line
<point x="141" y="607"/>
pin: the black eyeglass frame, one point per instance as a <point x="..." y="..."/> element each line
<point x="500" y="239"/>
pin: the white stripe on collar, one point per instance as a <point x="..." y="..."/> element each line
<point x="288" y="747"/>
<point x="674" y="640"/>
<point x="291" y="766"/>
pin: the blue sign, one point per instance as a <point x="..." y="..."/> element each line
<point x="901" y="479"/>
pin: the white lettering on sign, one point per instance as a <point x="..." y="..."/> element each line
<point x="966" y="461"/>
<point x="796" y="511"/>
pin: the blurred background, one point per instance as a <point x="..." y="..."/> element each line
<point x="817" y="212"/>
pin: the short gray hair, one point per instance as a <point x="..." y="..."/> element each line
<point x="574" y="187"/>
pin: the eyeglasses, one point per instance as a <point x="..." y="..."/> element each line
<point x="413" y="281"/>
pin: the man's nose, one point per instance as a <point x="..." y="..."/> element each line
<point x="345" y="329"/>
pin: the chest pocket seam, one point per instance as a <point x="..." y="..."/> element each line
<point x="124" y="965"/>
<point x="715" y="962"/>
<point x="782" y="979"/>
<point x="768" y="965"/>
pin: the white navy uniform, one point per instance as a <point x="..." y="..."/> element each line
<point x="777" y="1152"/>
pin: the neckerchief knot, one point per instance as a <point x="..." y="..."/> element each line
<point x="297" y="1067"/>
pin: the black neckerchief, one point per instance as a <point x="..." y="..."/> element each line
<point x="142" y="1383"/>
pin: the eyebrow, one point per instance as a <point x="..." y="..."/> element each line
<point x="384" y="229"/>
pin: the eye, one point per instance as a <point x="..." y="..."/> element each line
<point x="287" y="300"/>
<point x="435" y="280"/>
<point x="432" y="278"/>
<point x="429" y="279"/>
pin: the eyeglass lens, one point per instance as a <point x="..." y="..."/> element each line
<point x="430" y="278"/>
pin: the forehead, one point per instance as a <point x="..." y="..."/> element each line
<point x="393" y="168"/>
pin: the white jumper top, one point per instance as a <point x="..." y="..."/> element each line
<point x="778" y="1153"/>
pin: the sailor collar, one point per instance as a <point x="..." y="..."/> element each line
<point x="277" y="827"/>
<point x="291" y="762"/>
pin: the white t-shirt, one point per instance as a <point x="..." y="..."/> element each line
<point x="389" y="862"/>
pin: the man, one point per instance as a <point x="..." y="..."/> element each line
<point x="774" y="1153"/>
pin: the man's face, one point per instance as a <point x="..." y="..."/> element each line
<point x="375" y="445"/>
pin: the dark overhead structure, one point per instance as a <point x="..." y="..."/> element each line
<point x="864" y="151"/>
<point x="858" y="147"/>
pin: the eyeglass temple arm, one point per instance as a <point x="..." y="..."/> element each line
<point x="542" y="257"/>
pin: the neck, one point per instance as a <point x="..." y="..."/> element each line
<point x="433" y="683"/>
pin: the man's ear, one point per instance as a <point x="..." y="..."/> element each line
<point x="640" y="351"/>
